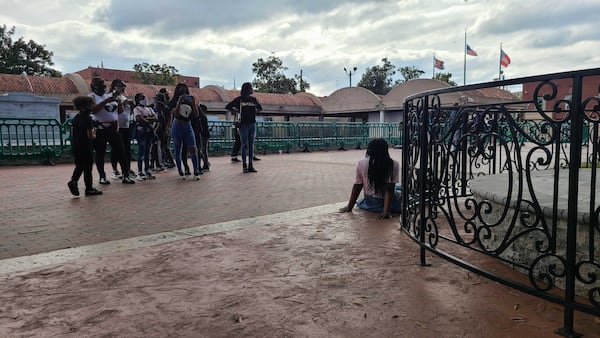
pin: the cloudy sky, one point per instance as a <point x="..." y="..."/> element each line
<point x="219" y="40"/>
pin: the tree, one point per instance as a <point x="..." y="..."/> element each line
<point x="378" y="79"/>
<point x="271" y="79"/>
<point x="162" y="75"/>
<point x="445" y="77"/>
<point x="409" y="73"/>
<point x="19" y="56"/>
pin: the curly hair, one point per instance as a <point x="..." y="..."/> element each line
<point x="82" y="102"/>
<point x="381" y="165"/>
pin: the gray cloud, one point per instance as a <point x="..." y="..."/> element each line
<point x="219" y="40"/>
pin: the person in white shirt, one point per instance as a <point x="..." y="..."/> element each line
<point x="125" y="134"/>
<point x="105" y="113"/>
<point x="144" y="117"/>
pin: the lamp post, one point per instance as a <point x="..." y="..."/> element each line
<point x="349" y="73"/>
<point x="24" y="74"/>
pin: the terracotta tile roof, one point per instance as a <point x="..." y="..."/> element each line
<point x="277" y="99"/>
<point x="127" y="76"/>
<point x="40" y="84"/>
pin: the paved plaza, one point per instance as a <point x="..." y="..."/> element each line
<point x="235" y="255"/>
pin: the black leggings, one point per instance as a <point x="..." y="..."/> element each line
<point x="84" y="161"/>
<point x="125" y="135"/>
<point x="104" y="137"/>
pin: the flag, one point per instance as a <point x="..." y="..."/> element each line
<point x="471" y="51"/>
<point x="439" y="64"/>
<point x="504" y="59"/>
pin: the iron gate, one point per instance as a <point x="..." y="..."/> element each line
<point x="513" y="179"/>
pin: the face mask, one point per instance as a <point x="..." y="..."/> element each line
<point x="100" y="90"/>
<point x="144" y="102"/>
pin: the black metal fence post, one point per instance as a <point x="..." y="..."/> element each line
<point x="576" y="116"/>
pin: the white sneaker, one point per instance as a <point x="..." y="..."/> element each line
<point x="140" y="177"/>
<point x="196" y="178"/>
<point x="181" y="177"/>
<point x="116" y="175"/>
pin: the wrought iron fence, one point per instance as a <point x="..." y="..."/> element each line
<point x="481" y="182"/>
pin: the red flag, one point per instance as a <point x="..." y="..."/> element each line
<point x="439" y="64"/>
<point x="471" y="51"/>
<point x="504" y="59"/>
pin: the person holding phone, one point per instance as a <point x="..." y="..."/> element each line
<point x="183" y="107"/>
<point x="106" y="112"/>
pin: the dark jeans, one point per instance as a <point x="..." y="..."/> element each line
<point x="247" y="132"/>
<point x="238" y="143"/>
<point x="204" y="152"/>
<point x="144" y="141"/>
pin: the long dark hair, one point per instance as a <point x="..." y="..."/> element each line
<point x="381" y="165"/>
<point x="180" y="89"/>
<point x="246" y="89"/>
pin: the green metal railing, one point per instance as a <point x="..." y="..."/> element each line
<point x="49" y="140"/>
<point x="32" y="138"/>
<point x="306" y="136"/>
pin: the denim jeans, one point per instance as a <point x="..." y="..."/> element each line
<point x="182" y="132"/>
<point x="370" y="203"/>
<point x="247" y="132"/>
<point x="144" y="141"/>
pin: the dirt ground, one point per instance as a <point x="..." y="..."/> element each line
<point x="327" y="275"/>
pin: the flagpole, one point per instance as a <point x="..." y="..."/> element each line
<point x="465" y="60"/>
<point x="500" y="65"/>
<point x="433" y="66"/>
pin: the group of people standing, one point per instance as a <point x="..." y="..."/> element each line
<point x="104" y="118"/>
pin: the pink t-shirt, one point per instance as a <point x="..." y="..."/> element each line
<point x="362" y="176"/>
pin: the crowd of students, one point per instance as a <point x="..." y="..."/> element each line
<point x="108" y="117"/>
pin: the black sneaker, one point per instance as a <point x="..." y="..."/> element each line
<point x="245" y="168"/>
<point x="73" y="188"/>
<point x="103" y="180"/>
<point x="92" y="192"/>
<point x="206" y="168"/>
<point x="235" y="159"/>
<point x="127" y="180"/>
<point x="254" y="158"/>
<point x="251" y="169"/>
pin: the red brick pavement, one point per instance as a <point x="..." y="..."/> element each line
<point x="38" y="214"/>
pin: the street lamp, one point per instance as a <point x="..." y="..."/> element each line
<point x="349" y="73"/>
<point x="24" y="74"/>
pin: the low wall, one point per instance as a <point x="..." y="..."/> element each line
<point x="533" y="235"/>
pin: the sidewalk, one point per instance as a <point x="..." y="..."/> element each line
<point x="232" y="255"/>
